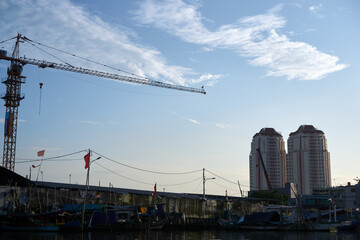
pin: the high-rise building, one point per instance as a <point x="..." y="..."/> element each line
<point x="308" y="160"/>
<point x="272" y="148"/>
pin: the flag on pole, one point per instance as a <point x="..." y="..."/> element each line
<point x="155" y="195"/>
<point x="41" y="153"/>
<point x="227" y="199"/>
<point x="87" y="160"/>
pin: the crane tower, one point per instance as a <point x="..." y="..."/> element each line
<point x="13" y="96"/>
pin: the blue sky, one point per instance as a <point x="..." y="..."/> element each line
<point x="275" y="64"/>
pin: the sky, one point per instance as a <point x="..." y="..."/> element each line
<point x="278" y="64"/>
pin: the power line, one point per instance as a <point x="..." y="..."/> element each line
<point x="226" y="179"/>
<point x="197" y="186"/>
<point x="51" y="158"/>
<point x="144" y="170"/>
<point x="7" y="40"/>
<point x="59" y="160"/>
<point x="224" y="186"/>
<point x="177" y="184"/>
<point x="122" y="175"/>
<point x="159" y="184"/>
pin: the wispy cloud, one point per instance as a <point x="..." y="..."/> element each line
<point x="254" y="37"/>
<point x="67" y="26"/>
<point x="222" y="125"/>
<point x="90" y="122"/>
<point x="316" y="11"/>
<point x="193" y="121"/>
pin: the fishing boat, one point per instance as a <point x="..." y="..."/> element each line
<point x="31" y="222"/>
<point x="129" y="218"/>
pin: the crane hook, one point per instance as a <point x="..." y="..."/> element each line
<point x="41" y="84"/>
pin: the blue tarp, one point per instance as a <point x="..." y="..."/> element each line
<point x="79" y="207"/>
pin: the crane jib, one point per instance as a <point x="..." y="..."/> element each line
<point x="45" y="64"/>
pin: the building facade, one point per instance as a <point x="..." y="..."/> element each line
<point x="308" y="160"/>
<point x="272" y="149"/>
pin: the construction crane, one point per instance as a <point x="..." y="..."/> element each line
<point x="13" y="95"/>
<point x="265" y="172"/>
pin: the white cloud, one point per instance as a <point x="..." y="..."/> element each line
<point x="70" y="27"/>
<point x="207" y="79"/>
<point x="193" y="121"/>
<point x="254" y="37"/>
<point x="316" y="11"/>
<point x="222" y="125"/>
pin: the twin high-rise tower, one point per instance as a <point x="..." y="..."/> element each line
<point x="307" y="163"/>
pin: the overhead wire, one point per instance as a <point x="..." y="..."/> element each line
<point x="7" y="40"/>
<point x="159" y="184"/>
<point x="51" y="158"/>
<point x="224" y="186"/>
<point x="144" y="170"/>
<point x="177" y="184"/>
<point x="110" y="170"/>
<point x="226" y="179"/>
<point x="58" y="158"/>
<point x="221" y="177"/>
<point x="38" y="160"/>
<point x="197" y="187"/>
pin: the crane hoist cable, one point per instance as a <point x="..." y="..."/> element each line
<point x="41" y="84"/>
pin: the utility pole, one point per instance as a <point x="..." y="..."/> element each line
<point x="204" y="183"/>
<point x="204" y="180"/>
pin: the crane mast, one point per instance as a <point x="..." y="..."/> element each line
<point x="12" y="99"/>
<point x="13" y="96"/>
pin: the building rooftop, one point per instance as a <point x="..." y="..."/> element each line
<point x="268" y="132"/>
<point x="307" y="129"/>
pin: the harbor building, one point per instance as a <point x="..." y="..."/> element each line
<point x="272" y="149"/>
<point x="308" y="160"/>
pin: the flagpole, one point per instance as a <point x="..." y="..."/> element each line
<point x="42" y="158"/>
<point x="87" y="187"/>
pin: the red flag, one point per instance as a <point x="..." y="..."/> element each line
<point x="155" y="195"/>
<point x="87" y="160"/>
<point x="33" y="166"/>
<point x="41" y="153"/>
